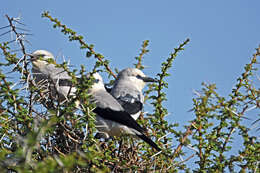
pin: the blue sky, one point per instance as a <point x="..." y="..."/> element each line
<point x="223" y="34"/>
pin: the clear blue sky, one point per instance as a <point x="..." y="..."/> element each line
<point x="223" y="36"/>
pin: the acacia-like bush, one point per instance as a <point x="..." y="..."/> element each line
<point x="40" y="134"/>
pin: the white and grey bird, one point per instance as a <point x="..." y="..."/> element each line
<point x="127" y="89"/>
<point x="112" y="119"/>
<point x="51" y="77"/>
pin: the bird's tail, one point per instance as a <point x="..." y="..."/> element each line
<point x="149" y="141"/>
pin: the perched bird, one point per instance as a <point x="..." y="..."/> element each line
<point x="127" y="89"/>
<point x="111" y="118"/>
<point x="51" y="78"/>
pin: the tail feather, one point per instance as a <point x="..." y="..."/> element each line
<point x="149" y="141"/>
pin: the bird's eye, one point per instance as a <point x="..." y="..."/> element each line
<point x="139" y="77"/>
<point x="41" y="55"/>
<point x="96" y="80"/>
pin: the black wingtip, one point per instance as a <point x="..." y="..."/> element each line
<point x="150" y="142"/>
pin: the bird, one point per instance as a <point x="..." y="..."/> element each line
<point x="53" y="79"/>
<point x="111" y="117"/>
<point x="127" y="89"/>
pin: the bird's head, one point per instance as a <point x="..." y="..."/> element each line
<point x="135" y="76"/>
<point x="40" y="57"/>
<point x="98" y="82"/>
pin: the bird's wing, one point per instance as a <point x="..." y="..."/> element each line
<point x="65" y="82"/>
<point x="124" y="118"/>
<point x="149" y="141"/>
<point x="131" y="104"/>
<point x="108" y="108"/>
<point x="39" y="75"/>
<point x="57" y="72"/>
<point x="121" y="117"/>
<point x="130" y="98"/>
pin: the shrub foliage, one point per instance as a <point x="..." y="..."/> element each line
<point x="40" y="134"/>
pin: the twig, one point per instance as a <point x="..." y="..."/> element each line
<point x="186" y="134"/>
<point x="79" y="38"/>
<point x="5" y="27"/>
<point x="185" y="160"/>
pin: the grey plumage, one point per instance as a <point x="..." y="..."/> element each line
<point x="112" y="119"/>
<point x="127" y="90"/>
<point x="50" y="77"/>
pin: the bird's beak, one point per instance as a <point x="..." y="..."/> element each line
<point x="149" y="79"/>
<point x="32" y="58"/>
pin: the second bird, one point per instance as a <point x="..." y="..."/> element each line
<point x="128" y="90"/>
